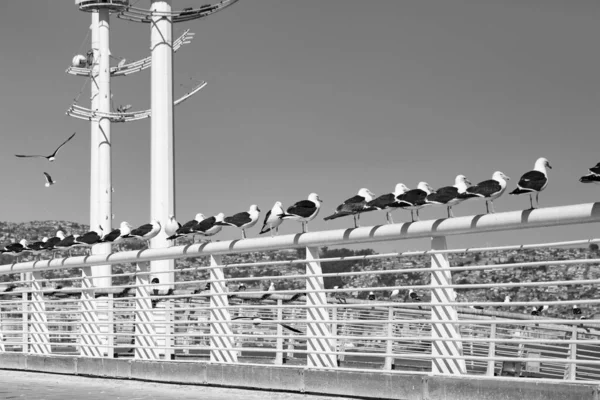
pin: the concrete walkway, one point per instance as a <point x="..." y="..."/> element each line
<point x="40" y="386"/>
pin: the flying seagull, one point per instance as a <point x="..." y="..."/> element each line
<point x="49" y="180"/>
<point x="489" y="190"/>
<point x="353" y="206"/>
<point x="304" y="210"/>
<point x="243" y="220"/>
<point x="414" y="199"/>
<point x="534" y="181"/>
<point x="593" y="176"/>
<point x="52" y="156"/>
<point x="273" y="219"/>
<point x="448" y="195"/>
<point x="383" y="202"/>
<point x="256" y="320"/>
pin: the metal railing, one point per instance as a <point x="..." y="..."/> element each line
<point x="459" y="325"/>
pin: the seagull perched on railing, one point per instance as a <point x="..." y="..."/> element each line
<point x="145" y="232"/>
<point x="273" y="219"/>
<point x="243" y="220"/>
<point x="209" y="226"/>
<point x="270" y="289"/>
<point x="37" y="248"/>
<point x="489" y="190"/>
<point x="51" y="242"/>
<point x="537" y="311"/>
<point x="89" y="239"/>
<point x="16" y="249"/>
<point x="576" y="310"/>
<point x="189" y="228"/>
<point x="413" y="199"/>
<point x="52" y="156"/>
<point x="171" y="226"/>
<point x="353" y="206"/>
<point x="117" y="235"/>
<point x="448" y="195"/>
<point x="593" y="176"/>
<point x="414" y="296"/>
<point x="534" y="181"/>
<point x="383" y="202"/>
<point x="304" y="211"/>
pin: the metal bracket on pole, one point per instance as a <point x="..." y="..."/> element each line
<point x="317" y="318"/>
<point x="220" y="328"/>
<point x="40" y="337"/>
<point x="143" y="328"/>
<point x="90" y="327"/>
<point x="439" y="296"/>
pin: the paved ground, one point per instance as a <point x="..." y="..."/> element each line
<point x="38" y="386"/>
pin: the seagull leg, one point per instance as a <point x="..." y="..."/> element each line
<point x="355" y="223"/>
<point x="412" y="215"/>
<point x="487" y="207"/>
<point x="243" y="234"/>
<point x="537" y="199"/>
<point x="305" y="227"/>
<point x="531" y="201"/>
<point x="272" y="234"/>
<point x="418" y="219"/>
<point x="492" y="204"/>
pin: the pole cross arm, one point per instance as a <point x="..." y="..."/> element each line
<point x="87" y="114"/>
<point x="135" y="66"/>
<point x="136" y="14"/>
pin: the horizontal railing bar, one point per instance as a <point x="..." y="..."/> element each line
<point x="542" y="217"/>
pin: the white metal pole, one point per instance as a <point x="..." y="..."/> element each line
<point x="101" y="145"/>
<point x="162" y="174"/>
<point x="95" y="124"/>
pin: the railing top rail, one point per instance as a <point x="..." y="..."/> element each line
<point x="544" y="217"/>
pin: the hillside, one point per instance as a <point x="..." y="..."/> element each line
<point x="35" y="230"/>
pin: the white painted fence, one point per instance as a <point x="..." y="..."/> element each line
<point x="308" y="324"/>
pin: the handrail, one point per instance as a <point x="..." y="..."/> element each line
<point x="136" y="14"/>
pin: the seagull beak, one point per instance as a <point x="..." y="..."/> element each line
<point x="549" y="166"/>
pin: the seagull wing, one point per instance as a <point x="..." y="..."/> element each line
<point x="238" y="219"/>
<point x="48" y="178"/>
<point x="382" y="202"/>
<point x="290" y="328"/>
<point x="485" y="188"/>
<point x="62" y="144"/>
<point x="35" y="155"/>
<point x="303" y="208"/>
<point x="442" y="195"/>
<point x="533" y="181"/>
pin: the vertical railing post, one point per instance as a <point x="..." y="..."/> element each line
<point x="25" y="314"/>
<point x="163" y="326"/>
<point x="2" y="327"/>
<point x="491" y="364"/>
<point x="222" y="342"/>
<point x="571" y="370"/>
<point x="143" y="325"/>
<point x="40" y="337"/>
<point x="334" y="329"/>
<point x="110" y="326"/>
<point x="279" y="341"/>
<point x="441" y="294"/>
<point x="90" y="323"/>
<point x="317" y="316"/>
<point x="389" y="343"/>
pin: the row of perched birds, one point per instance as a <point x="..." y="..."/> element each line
<point x="304" y="211"/>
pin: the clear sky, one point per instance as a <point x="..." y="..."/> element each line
<point x="315" y="96"/>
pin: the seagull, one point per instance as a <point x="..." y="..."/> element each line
<point x="394" y="293"/>
<point x="189" y="228"/>
<point x="49" y="181"/>
<point x="507" y="298"/>
<point x="89" y="239"/>
<point x="273" y="219"/>
<point x="341" y="296"/>
<point x="304" y="210"/>
<point x="593" y="176"/>
<point x="16" y="249"/>
<point x="243" y="220"/>
<point x="51" y="242"/>
<point x="52" y="156"/>
<point x="37" y="248"/>
<point x="476" y="307"/>
<point x="66" y="243"/>
<point x="371" y="296"/>
<point x="414" y="296"/>
<point x="383" y="202"/>
<point x="116" y="235"/>
<point x="270" y="289"/>
<point x="413" y="199"/>
<point x="537" y="311"/>
<point x="534" y="181"/>
<point x="145" y="232"/>
<point x="256" y="320"/>
<point x="241" y="287"/>
<point x="576" y="310"/>
<point x="121" y="63"/>
<point x="489" y="190"/>
<point x="122" y="108"/>
<point x="171" y="226"/>
<point x="353" y="206"/>
<point x="210" y="226"/>
<point x="448" y="195"/>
